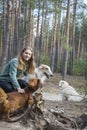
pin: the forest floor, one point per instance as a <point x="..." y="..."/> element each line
<point x="71" y="109"/>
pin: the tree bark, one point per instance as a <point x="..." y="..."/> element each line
<point x="73" y="39"/>
<point x="5" y="33"/>
<point x="65" y="54"/>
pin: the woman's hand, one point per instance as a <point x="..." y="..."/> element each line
<point x="20" y="90"/>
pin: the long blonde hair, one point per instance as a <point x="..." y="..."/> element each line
<point x="30" y="63"/>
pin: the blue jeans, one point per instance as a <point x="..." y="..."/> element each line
<point x="8" y="87"/>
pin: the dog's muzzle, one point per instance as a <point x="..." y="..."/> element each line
<point x="46" y="74"/>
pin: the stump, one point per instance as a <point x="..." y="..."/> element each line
<point x="48" y="120"/>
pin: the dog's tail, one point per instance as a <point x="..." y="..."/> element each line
<point x="20" y="117"/>
<point x="3" y="95"/>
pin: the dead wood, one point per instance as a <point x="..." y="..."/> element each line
<point x="82" y="121"/>
<point x="47" y="120"/>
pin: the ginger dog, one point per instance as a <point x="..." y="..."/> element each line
<point x="13" y="101"/>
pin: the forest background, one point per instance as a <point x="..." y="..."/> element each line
<point x="55" y="29"/>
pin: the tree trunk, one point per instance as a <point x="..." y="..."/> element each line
<point x="53" y="47"/>
<point x="6" y="33"/>
<point x="25" y="26"/>
<point x="65" y="54"/>
<point x="56" y="58"/>
<point x="36" y="47"/>
<point x="41" y="35"/>
<point x="16" y="29"/>
<point x="73" y="39"/>
<point x="79" y="45"/>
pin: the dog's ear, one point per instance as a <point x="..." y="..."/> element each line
<point x="38" y="85"/>
<point x="38" y="82"/>
<point x="62" y="83"/>
<point x="41" y="66"/>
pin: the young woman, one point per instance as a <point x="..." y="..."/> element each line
<point x="10" y="77"/>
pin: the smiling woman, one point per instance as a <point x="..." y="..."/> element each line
<point x="10" y="77"/>
<point x="27" y="55"/>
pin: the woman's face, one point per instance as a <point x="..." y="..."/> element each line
<point x="27" y="54"/>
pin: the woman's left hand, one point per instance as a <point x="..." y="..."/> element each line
<point x="20" y="90"/>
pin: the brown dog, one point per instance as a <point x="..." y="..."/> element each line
<point x="10" y="102"/>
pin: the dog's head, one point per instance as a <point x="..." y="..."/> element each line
<point x="63" y="84"/>
<point x="38" y="97"/>
<point x="34" y="83"/>
<point x="44" y="69"/>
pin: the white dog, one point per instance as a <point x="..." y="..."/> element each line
<point x="42" y="72"/>
<point x="69" y="92"/>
